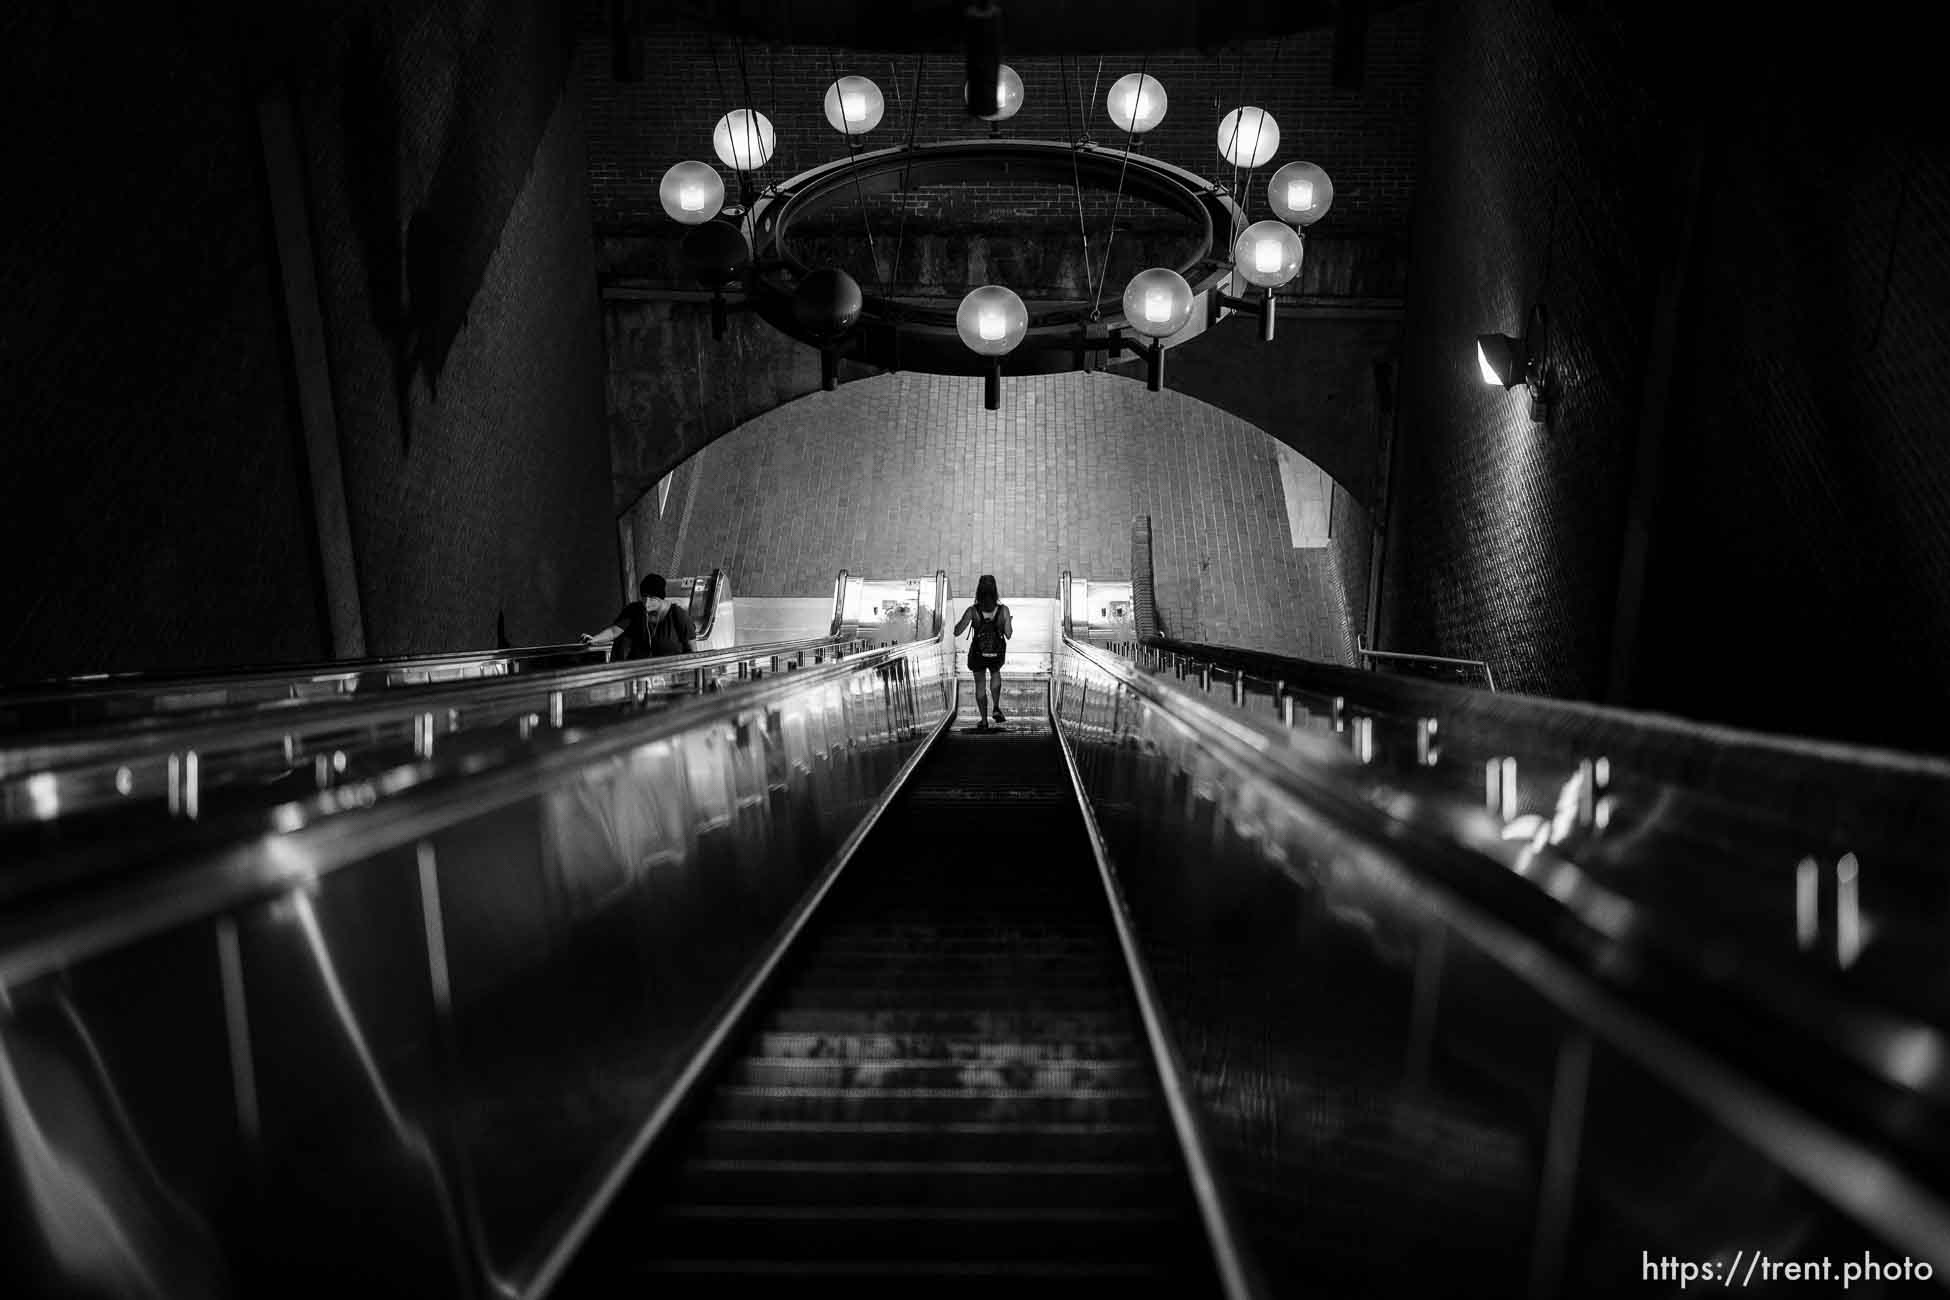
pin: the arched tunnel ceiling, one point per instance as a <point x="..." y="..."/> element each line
<point x="1027" y="28"/>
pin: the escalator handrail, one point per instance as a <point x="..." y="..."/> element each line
<point x="1523" y="929"/>
<point x="243" y="726"/>
<point x="1238" y="1277"/>
<point x="1409" y="697"/>
<point x="83" y="686"/>
<point x="716" y="1039"/>
<point x="216" y="865"/>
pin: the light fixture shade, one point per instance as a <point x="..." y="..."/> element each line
<point x="1500" y="358"/>
<point x="691" y="192"/>
<point x="1008" y="96"/>
<point x="1157" y="302"/>
<point x="1300" y="193"/>
<point x="1267" y="254"/>
<point x="744" y="139"/>
<point x="827" y="303"/>
<point x="1136" y="103"/>
<point x="1248" y="136"/>
<point x="854" y="105"/>
<point x="991" y="321"/>
<point x="718" y="253"/>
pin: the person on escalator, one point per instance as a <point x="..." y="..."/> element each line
<point x="988" y="647"/>
<point x="653" y="625"/>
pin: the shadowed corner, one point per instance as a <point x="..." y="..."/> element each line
<point x="501" y="641"/>
<point x="370" y="114"/>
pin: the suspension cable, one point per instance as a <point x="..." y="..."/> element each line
<point x="1076" y="178"/>
<point x="1117" y="204"/>
<point x="865" y="222"/>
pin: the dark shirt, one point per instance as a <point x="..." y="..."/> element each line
<point x="639" y="629"/>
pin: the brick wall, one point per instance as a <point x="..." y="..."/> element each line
<point x="1366" y="139"/>
<point x="447" y="166"/>
<point x="1797" y="518"/>
<point x="903" y="474"/>
<point x="153" y="471"/>
<point x="152" y="503"/>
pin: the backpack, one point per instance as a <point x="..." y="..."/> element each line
<point x="664" y="639"/>
<point x="988" y="645"/>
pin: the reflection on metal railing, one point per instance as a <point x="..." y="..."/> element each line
<point x="1461" y="672"/>
<point x="1363" y="972"/>
<point x="524" y="945"/>
<point x="1691" y="819"/>
<point x="112" y="769"/>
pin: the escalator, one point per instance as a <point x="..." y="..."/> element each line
<point x="947" y="1084"/>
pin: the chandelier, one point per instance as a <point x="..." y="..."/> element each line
<point x="743" y="245"/>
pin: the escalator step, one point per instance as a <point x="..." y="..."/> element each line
<point x="961" y="1141"/>
<point x="934" y="1105"/>
<point x="928" y="1184"/>
<point x="935" y="1047"/>
<point x="904" y="1232"/>
<point x="898" y="1073"/>
<point x="973" y="1024"/>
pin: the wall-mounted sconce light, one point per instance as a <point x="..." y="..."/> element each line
<point x="1508" y="362"/>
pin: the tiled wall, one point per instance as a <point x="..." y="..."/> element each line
<point x="904" y="474"/>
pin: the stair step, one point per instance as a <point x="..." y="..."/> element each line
<point x="896" y="1074"/>
<point x="995" y="1104"/>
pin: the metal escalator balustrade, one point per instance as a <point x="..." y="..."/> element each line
<point x="107" y="698"/>
<point x="179" y="762"/>
<point x="1821" y="852"/>
<point x="393" y="1042"/>
<point x="1425" y="1073"/>
<point x="945" y="1085"/>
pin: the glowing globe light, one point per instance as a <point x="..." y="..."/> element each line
<point x="1157" y="302"/>
<point x="1300" y="193"/>
<point x="691" y="192"/>
<point x="1268" y="254"/>
<point x="991" y="321"/>
<point x="1248" y="136"/>
<point x="744" y="139"/>
<point x="1136" y="103"/>
<point x="854" y="105"/>
<point x="1008" y="95"/>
